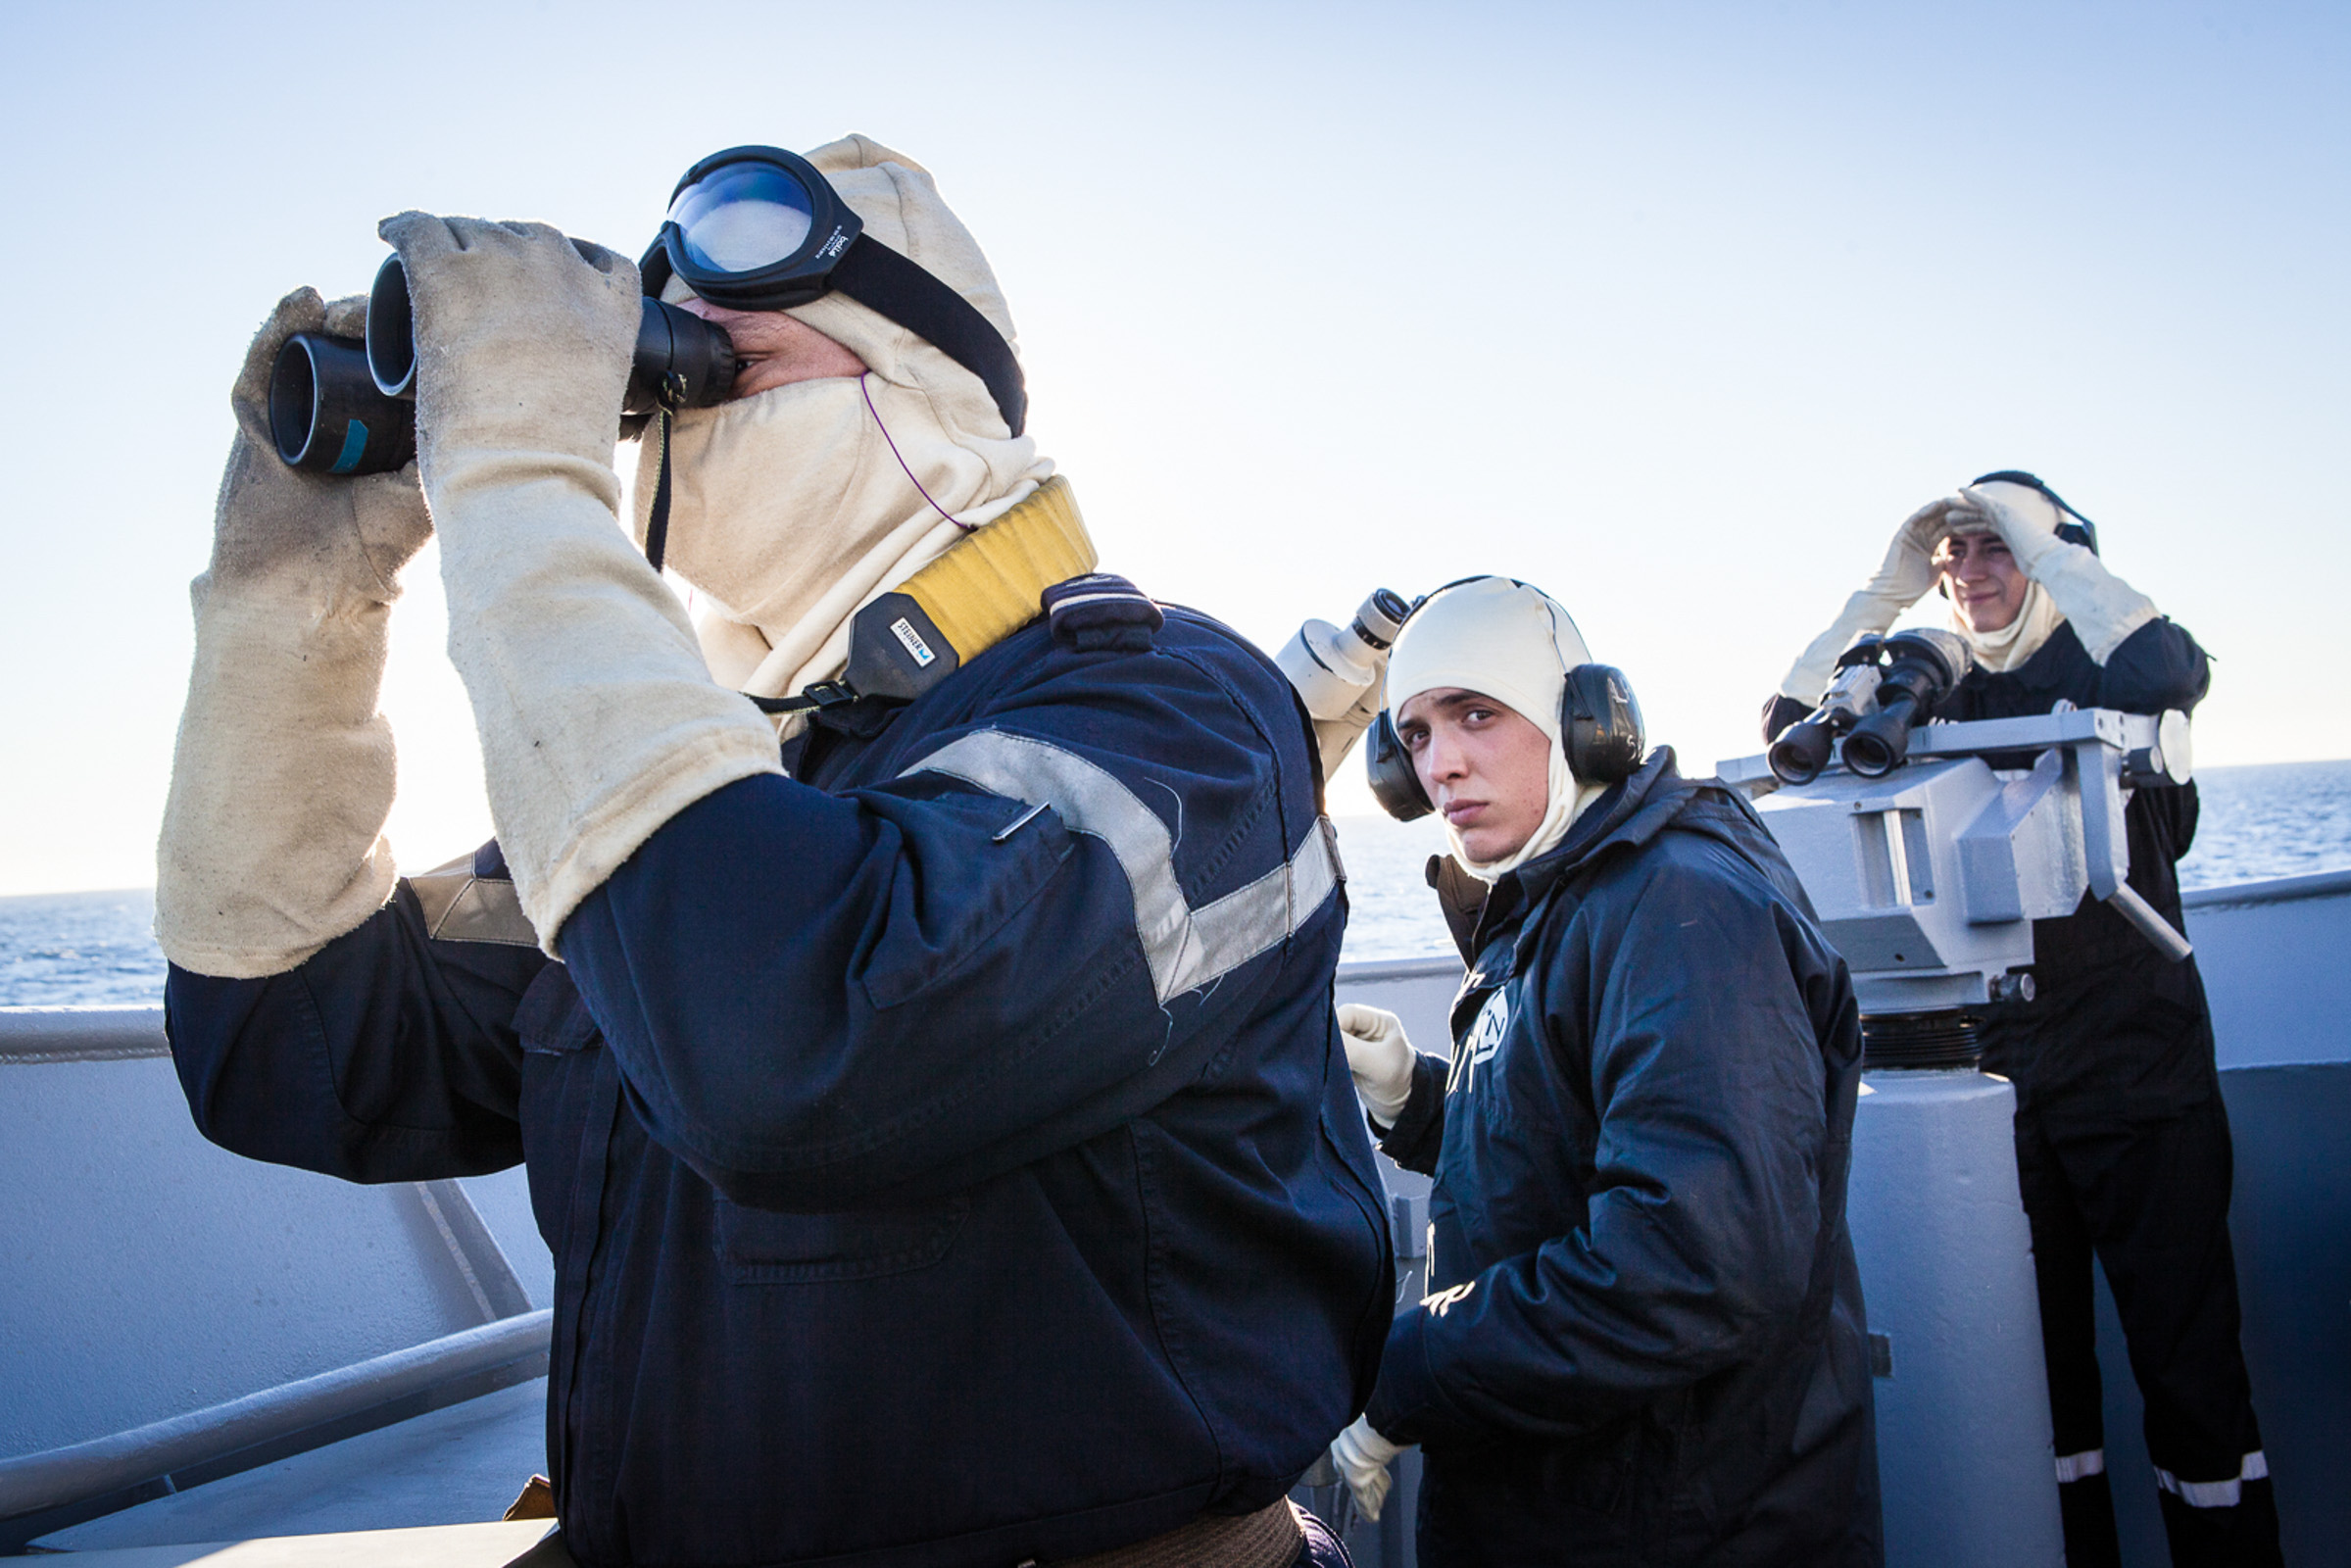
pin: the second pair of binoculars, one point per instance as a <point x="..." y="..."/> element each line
<point x="1884" y="687"/>
<point x="343" y="405"/>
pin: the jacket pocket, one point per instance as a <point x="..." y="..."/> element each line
<point x="768" y="1247"/>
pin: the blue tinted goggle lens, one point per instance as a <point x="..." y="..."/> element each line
<point x="742" y="216"/>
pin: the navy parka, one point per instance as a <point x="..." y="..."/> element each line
<point x="1645" y="1341"/>
<point x="946" y="1159"/>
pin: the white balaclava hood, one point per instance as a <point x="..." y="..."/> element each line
<point x="788" y="511"/>
<point x="1998" y="651"/>
<point x="1514" y="643"/>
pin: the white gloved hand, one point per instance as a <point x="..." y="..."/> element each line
<point x="599" y="720"/>
<point x="1362" y="1457"/>
<point x="2103" y="608"/>
<point x="1380" y="1059"/>
<point x="271" y="842"/>
<point x="1901" y="580"/>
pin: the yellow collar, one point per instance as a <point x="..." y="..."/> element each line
<point x="986" y="587"/>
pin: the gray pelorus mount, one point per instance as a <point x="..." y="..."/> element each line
<point x="1928" y="877"/>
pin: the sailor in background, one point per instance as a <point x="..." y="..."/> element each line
<point x="1643" y="1343"/>
<point x="936" y="1119"/>
<point x="2122" y="1139"/>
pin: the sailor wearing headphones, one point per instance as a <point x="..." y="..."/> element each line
<point x="1645" y="1340"/>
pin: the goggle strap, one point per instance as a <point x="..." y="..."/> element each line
<point x="896" y="287"/>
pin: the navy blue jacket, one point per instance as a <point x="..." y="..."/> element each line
<point x="2116" y="1035"/>
<point x="1645" y="1341"/>
<point x="946" y="1159"/>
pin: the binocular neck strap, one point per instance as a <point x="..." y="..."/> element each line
<point x="657" y="524"/>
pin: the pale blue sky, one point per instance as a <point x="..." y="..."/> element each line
<point x="1674" y="309"/>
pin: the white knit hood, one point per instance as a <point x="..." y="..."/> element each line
<point x="1513" y="643"/>
<point x="790" y="510"/>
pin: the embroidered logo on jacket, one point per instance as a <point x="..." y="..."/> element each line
<point x="1443" y="1301"/>
<point x="1483" y="1039"/>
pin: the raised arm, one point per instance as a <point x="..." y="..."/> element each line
<point x="389" y="1054"/>
<point x="312" y="1021"/>
<point x="1053" y="918"/>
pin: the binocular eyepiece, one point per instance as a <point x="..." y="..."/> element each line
<point x="1883" y="687"/>
<point x="348" y="406"/>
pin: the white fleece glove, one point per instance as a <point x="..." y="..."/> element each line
<point x="598" y="717"/>
<point x="1380" y="1059"/>
<point x="1901" y="580"/>
<point x="1362" y="1457"/>
<point x="2104" y="609"/>
<point x="271" y="842"/>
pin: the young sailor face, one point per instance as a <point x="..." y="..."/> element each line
<point x="773" y="348"/>
<point x="1485" y="766"/>
<point x="1982" y="578"/>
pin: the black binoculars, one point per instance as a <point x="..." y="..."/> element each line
<point x="346" y="406"/>
<point x="1883" y="687"/>
<point x="1921" y="669"/>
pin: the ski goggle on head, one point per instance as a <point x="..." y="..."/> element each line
<point x="758" y="229"/>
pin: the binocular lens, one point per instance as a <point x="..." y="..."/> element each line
<point x="1878" y="743"/>
<point x="392" y="332"/>
<point x="1798" y="756"/>
<point x="325" y="414"/>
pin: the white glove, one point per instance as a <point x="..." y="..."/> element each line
<point x="2104" y="609"/>
<point x="271" y="842"/>
<point x="1362" y="1457"/>
<point x="598" y="719"/>
<point x="1901" y="580"/>
<point x="1380" y="1059"/>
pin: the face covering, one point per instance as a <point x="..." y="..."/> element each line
<point x="789" y="512"/>
<point x="1515" y="643"/>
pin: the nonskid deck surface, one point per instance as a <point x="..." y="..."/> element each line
<point x="145" y="1275"/>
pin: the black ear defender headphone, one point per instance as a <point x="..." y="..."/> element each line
<point x="1600" y="730"/>
<point x="2074" y="529"/>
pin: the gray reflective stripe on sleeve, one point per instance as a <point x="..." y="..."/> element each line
<point x="2080" y="1466"/>
<point x="2216" y="1494"/>
<point x="1186" y="948"/>
<point x="460" y="906"/>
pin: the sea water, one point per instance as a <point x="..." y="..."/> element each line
<point x="2281" y="819"/>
